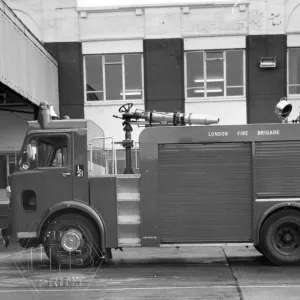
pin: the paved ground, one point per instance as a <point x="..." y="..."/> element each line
<point x="165" y="273"/>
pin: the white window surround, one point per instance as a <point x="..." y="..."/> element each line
<point x="112" y="47"/>
<point x="293" y="40"/>
<point x="215" y="43"/>
<point x="216" y="98"/>
<point x="291" y="96"/>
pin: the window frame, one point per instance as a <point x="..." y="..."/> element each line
<point x="215" y="98"/>
<point x="51" y="134"/>
<point x="289" y="95"/>
<point x="117" y="101"/>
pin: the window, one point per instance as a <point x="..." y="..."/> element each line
<point x="114" y="77"/>
<point x="45" y="151"/>
<point x="294" y="71"/>
<point x="214" y="74"/>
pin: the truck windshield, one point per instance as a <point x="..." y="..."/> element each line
<point x="42" y="151"/>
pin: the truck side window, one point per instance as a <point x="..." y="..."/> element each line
<point x="45" y="151"/>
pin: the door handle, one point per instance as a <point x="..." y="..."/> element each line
<point x="65" y="174"/>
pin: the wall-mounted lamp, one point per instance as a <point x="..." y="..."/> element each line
<point x="268" y="62"/>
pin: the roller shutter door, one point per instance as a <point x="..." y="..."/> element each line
<point x="278" y="169"/>
<point x="205" y="192"/>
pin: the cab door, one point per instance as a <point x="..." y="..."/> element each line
<point x="45" y="178"/>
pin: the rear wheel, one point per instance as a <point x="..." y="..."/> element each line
<point x="72" y="240"/>
<point x="280" y="237"/>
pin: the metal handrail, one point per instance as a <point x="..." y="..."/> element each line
<point x="114" y="166"/>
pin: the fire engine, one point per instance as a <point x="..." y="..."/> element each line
<point x="199" y="182"/>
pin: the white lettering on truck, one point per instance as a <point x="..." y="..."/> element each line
<point x="219" y="133"/>
<point x="268" y="132"/>
<point x="242" y="133"/>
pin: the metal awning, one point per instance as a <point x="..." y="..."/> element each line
<point x="25" y="65"/>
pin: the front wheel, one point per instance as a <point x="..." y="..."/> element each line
<point x="280" y="237"/>
<point x="72" y="240"/>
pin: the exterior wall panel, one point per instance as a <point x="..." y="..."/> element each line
<point x="69" y="56"/>
<point x="163" y="67"/>
<point x="25" y="66"/>
<point x="265" y="86"/>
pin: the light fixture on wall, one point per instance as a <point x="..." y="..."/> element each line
<point x="268" y="62"/>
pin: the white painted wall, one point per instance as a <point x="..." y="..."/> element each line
<point x="229" y="112"/>
<point x="56" y="20"/>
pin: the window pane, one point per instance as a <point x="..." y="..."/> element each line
<point x="12" y="158"/>
<point x="59" y="159"/>
<point x="214" y="69"/>
<point x="133" y="72"/>
<point x="113" y="78"/>
<point x="214" y="54"/>
<point x="94" y="96"/>
<point x="113" y="58"/>
<point x="294" y="89"/>
<point x="215" y="89"/>
<point x="45" y="151"/>
<point x="194" y="65"/>
<point x="136" y="95"/>
<point x="11" y="168"/>
<point x="234" y="67"/>
<point x="294" y="68"/>
<point x="94" y="79"/>
<point x="195" y="92"/>
<point x="236" y="91"/>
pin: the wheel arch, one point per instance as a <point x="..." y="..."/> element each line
<point x="272" y="210"/>
<point x="75" y="207"/>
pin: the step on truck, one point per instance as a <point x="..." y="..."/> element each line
<point x="199" y="184"/>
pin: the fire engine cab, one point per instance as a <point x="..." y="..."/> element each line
<point x="199" y="182"/>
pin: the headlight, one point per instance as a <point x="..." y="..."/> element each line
<point x="8" y="192"/>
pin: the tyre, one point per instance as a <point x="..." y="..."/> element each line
<point x="280" y="237"/>
<point x="71" y="240"/>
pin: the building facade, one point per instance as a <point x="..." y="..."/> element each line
<point x="231" y="59"/>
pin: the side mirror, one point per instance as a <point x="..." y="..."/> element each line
<point x="29" y="152"/>
<point x="283" y="109"/>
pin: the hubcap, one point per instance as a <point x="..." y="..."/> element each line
<point x="71" y="239"/>
<point x="286" y="238"/>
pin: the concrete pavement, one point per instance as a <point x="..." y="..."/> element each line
<point x="165" y="273"/>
